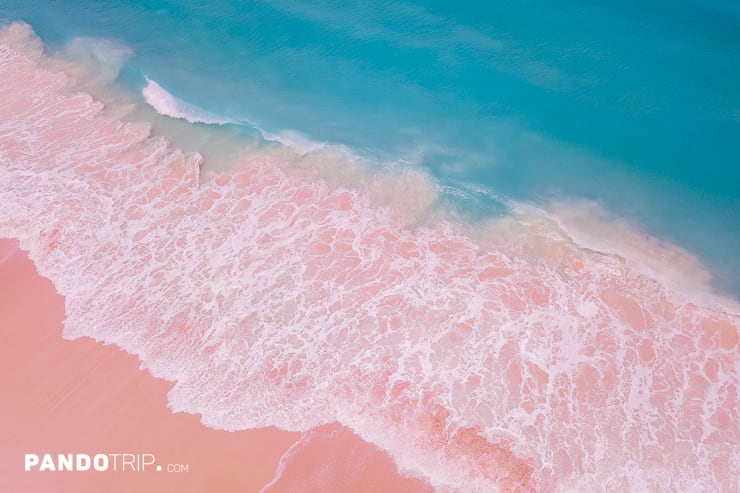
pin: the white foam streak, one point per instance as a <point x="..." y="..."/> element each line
<point x="295" y="140"/>
<point x="166" y="104"/>
<point x="594" y="228"/>
<point x="519" y="362"/>
<point x="294" y="449"/>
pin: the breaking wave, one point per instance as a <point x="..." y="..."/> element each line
<point x="166" y="104"/>
<point x="524" y="362"/>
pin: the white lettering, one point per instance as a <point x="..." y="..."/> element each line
<point x="65" y="462"/>
<point x="83" y="462"/>
<point x="47" y="463"/>
<point x="31" y="460"/>
<point x="115" y="460"/>
<point x="100" y="462"/>
<point x="145" y="462"/>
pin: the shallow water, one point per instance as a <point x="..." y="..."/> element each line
<point x="281" y="292"/>
<point x="632" y="105"/>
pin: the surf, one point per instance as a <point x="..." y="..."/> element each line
<point x="272" y="296"/>
<point x="166" y="104"/>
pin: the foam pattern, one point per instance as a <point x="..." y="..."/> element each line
<point x="272" y="298"/>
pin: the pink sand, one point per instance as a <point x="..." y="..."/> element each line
<point x="80" y="396"/>
<point x="526" y="363"/>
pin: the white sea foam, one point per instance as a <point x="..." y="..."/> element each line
<point x="591" y="226"/>
<point x="519" y="361"/>
<point x="296" y="140"/>
<point x="168" y="105"/>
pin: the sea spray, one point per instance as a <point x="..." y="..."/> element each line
<point x="167" y="104"/>
<point x="270" y="297"/>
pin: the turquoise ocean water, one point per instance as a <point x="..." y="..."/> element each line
<point x="634" y="105"/>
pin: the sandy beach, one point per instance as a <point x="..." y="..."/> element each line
<point x="84" y="397"/>
<point x="503" y="356"/>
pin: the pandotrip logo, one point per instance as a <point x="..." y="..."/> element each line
<point x="118" y="462"/>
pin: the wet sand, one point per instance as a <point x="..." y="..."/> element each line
<point x="273" y="298"/>
<point x="82" y="396"/>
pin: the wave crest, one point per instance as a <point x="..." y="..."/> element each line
<point x="166" y="104"/>
<point x="271" y="298"/>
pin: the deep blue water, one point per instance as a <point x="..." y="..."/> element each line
<point x="635" y="104"/>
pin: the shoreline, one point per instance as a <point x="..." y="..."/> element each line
<point x="84" y="397"/>
<point x="313" y="306"/>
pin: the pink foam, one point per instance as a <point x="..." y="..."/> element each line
<point x="82" y="397"/>
<point x="270" y="298"/>
<point x="332" y="458"/>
